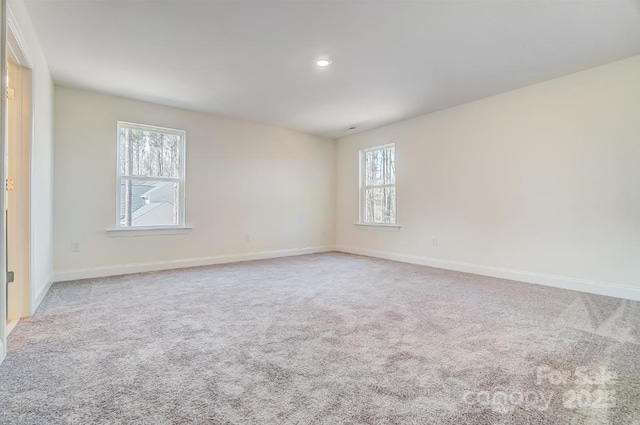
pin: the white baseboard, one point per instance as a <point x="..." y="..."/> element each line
<point x="582" y="285"/>
<point x="12" y="325"/>
<point x="37" y="300"/>
<point x="121" y="269"/>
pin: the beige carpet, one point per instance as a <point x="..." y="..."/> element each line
<point x="322" y="339"/>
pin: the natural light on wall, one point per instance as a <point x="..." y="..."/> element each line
<point x="150" y="176"/>
<point x="378" y="185"/>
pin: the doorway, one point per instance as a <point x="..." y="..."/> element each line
<point x="17" y="181"/>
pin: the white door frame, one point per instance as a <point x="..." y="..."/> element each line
<point x="3" y="127"/>
<point x="16" y="46"/>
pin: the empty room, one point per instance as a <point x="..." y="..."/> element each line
<point x="320" y="212"/>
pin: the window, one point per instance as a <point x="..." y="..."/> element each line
<point x="150" y="176"/>
<point x="378" y="185"/>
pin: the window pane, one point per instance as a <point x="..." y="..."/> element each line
<point x="149" y="153"/>
<point x="380" y="166"/>
<point x="149" y="203"/>
<point x="380" y="205"/>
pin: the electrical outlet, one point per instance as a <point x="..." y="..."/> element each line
<point x="434" y="241"/>
<point x="75" y="246"/>
<point x="247" y="237"/>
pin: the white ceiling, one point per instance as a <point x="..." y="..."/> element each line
<point x="391" y="59"/>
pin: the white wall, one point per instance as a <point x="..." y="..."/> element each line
<point x="42" y="158"/>
<point x="242" y="177"/>
<point x="540" y="180"/>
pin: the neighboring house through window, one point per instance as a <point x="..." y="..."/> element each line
<point x="151" y="168"/>
<point x="378" y="185"/>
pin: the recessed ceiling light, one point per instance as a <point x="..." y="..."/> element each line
<point x="323" y="62"/>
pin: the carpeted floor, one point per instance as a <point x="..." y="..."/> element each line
<point x="322" y="339"/>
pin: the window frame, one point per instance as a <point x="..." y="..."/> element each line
<point x="363" y="188"/>
<point x="181" y="180"/>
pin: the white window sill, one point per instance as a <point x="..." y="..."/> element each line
<point x="125" y="232"/>
<point x="379" y="226"/>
